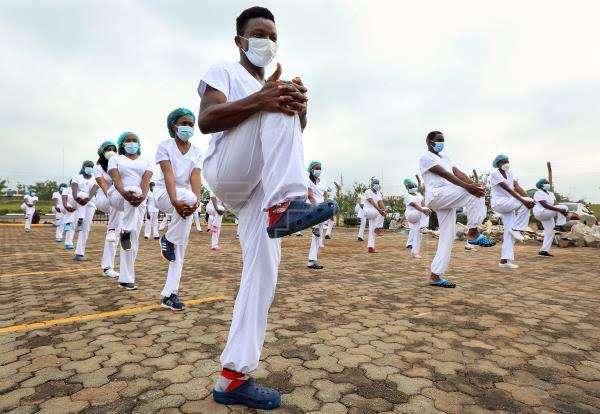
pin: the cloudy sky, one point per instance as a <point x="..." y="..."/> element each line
<point x="521" y="78"/>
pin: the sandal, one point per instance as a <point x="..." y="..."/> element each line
<point x="443" y="283"/>
<point x="482" y="241"/>
<point x="300" y="215"/>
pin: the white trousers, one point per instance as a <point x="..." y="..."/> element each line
<point x="549" y="219"/>
<point x="29" y="211"/>
<point x="131" y="222"/>
<point x="151" y="225"/>
<point x="255" y="166"/>
<point x="515" y="216"/>
<point x="87" y="214"/>
<point x="196" y="217"/>
<point x="375" y="222"/>
<point x="315" y="244"/>
<point x="416" y="221"/>
<point x="363" y="224"/>
<point x="329" y="227"/>
<point x="178" y="234"/>
<point x="164" y="221"/>
<point x="114" y="224"/>
<point x="446" y="199"/>
<point x="60" y="226"/>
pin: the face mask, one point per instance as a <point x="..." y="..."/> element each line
<point x="32" y="194"/>
<point x="317" y="173"/>
<point x="260" y="51"/>
<point x="376" y="187"/>
<point x="545" y="187"/>
<point x="438" y="147"/>
<point x="88" y="170"/>
<point x="505" y="167"/>
<point x="184" y="132"/>
<point x="109" y="154"/>
<point x="131" y="147"/>
<point x="412" y="190"/>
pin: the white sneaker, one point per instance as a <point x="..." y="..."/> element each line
<point x="110" y="273"/>
<point x="417" y="256"/>
<point x="508" y="265"/>
<point x="111" y="236"/>
<point x="517" y="235"/>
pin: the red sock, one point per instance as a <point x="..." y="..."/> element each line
<point x="276" y="212"/>
<point x="236" y="378"/>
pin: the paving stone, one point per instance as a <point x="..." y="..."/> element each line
<point x="62" y="405"/>
<point x="94" y="379"/>
<point x="12" y="398"/>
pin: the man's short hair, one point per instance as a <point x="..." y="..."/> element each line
<point x="432" y="135"/>
<point x="252" y="13"/>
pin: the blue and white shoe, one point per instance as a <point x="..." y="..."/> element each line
<point x="128" y="286"/>
<point x="69" y="246"/>
<point x="250" y="395"/>
<point x="167" y="249"/>
<point x="68" y="227"/>
<point x="172" y="302"/>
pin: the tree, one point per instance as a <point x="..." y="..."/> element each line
<point x="45" y="189"/>
<point x="3" y="186"/>
<point x="20" y="188"/>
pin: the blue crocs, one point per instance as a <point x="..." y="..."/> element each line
<point x="299" y="216"/>
<point x="482" y="241"/>
<point x="250" y="395"/>
<point x="443" y="283"/>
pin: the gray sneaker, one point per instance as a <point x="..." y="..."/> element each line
<point x="80" y="258"/>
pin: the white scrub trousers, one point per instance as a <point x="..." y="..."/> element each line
<point x="445" y="200"/>
<point x="178" y="234"/>
<point x="257" y="165"/>
<point x="60" y="225"/>
<point x="163" y="223"/>
<point x="315" y="244"/>
<point x="329" y="227"/>
<point x="215" y="225"/>
<point x="151" y="225"/>
<point x="131" y="222"/>
<point x="515" y="216"/>
<point x="114" y="225"/>
<point x="549" y="219"/>
<point x="416" y="221"/>
<point x="363" y="224"/>
<point x="87" y="214"/>
<point x="196" y="217"/>
<point x="375" y="221"/>
<point x="29" y="212"/>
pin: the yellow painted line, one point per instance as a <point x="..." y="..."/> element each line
<point x="48" y="272"/>
<point x="72" y="252"/>
<point x="73" y="319"/>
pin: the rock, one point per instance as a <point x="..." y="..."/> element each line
<point x="582" y="235"/>
<point x="461" y="231"/>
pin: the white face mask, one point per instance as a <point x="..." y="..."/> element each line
<point x="261" y="51"/>
<point x="109" y="154"/>
<point x="505" y="167"/>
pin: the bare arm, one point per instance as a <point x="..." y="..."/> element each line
<point x="102" y="184"/>
<point x="520" y="189"/>
<point x="311" y="196"/>
<point x="467" y="185"/>
<point x="462" y="176"/>
<point x="145" y="184"/>
<point x="196" y="184"/>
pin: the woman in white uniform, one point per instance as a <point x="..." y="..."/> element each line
<point x="197" y="214"/>
<point x="417" y="215"/>
<point x="549" y="213"/>
<point x="106" y="151"/>
<point x="511" y="201"/>
<point x="330" y="221"/>
<point x="215" y="209"/>
<point x="359" y="210"/>
<point x="131" y="181"/>
<point x="58" y="210"/>
<point x="151" y="224"/>
<point x="374" y="211"/>
<point x="317" y="193"/>
<point x="30" y="200"/>
<point x="165" y="220"/>
<point x="69" y="216"/>
<point x="446" y="189"/>
<point x="177" y="192"/>
<point x="84" y="189"/>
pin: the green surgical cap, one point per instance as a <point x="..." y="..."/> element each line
<point x="312" y="165"/>
<point x="408" y="182"/>
<point x="175" y="115"/>
<point x="105" y="145"/>
<point x="539" y="182"/>
<point x="374" y="180"/>
<point x="499" y="158"/>
<point x="122" y="138"/>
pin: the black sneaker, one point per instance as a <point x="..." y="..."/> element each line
<point x="128" y="286"/>
<point x="560" y="229"/>
<point x="172" y="302"/>
<point x="146" y="237"/>
<point x="360" y="239"/>
<point x="545" y="254"/>
<point x="409" y="246"/>
<point x="126" y="240"/>
<point x="167" y="249"/>
<point x="80" y="258"/>
<point x="314" y="265"/>
<point x="316" y="232"/>
<point x="79" y="225"/>
<point x="327" y="237"/>
<point x="156" y="238"/>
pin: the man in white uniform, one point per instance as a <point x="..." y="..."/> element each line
<point x="84" y="189"/>
<point x="360" y="213"/>
<point x="317" y="193"/>
<point x="151" y="225"/>
<point x="446" y="189"/>
<point x="69" y="216"/>
<point x="549" y="213"/>
<point x="59" y="210"/>
<point x="254" y="164"/>
<point x="374" y="211"/>
<point x="30" y="200"/>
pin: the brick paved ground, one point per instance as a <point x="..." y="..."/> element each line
<point x="361" y="336"/>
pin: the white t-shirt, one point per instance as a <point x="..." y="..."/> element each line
<point x="85" y="184"/>
<point x="376" y="196"/>
<point x="131" y="171"/>
<point x="182" y="165"/>
<point x="412" y="198"/>
<point x="318" y="189"/>
<point x="99" y="172"/>
<point x="432" y="180"/>
<point x="151" y="203"/>
<point x="499" y="193"/>
<point x="541" y="195"/>
<point x="56" y="196"/>
<point x="30" y="199"/>
<point x="234" y="81"/>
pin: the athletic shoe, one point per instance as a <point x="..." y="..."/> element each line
<point x="360" y="239"/>
<point x="508" y="265"/>
<point x="417" y="256"/>
<point x="167" y="249"/>
<point x="316" y="232"/>
<point x="128" y="286"/>
<point x="327" y="237"/>
<point x="517" y="235"/>
<point x="111" y="236"/>
<point x="27" y="230"/>
<point x="215" y="249"/>
<point x="58" y="240"/>
<point x="371" y="250"/>
<point x="560" y="229"/>
<point x="249" y="394"/>
<point x="126" y="240"/>
<point x="79" y="225"/>
<point x="145" y="237"/>
<point x="68" y="227"/>
<point x="298" y="234"/>
<point x="470" y="248"/>
<point x="314" y="265"/>
<point x="545" y="254"/>
<point x="172" y="302"/>
<point x="110" y="273"/>
<point x="80" y="258"/>
<point x="69" y="246"/>
<point x="208" y="230"/>
<point x="409" y="246"/>
<point x="156" y="238"/>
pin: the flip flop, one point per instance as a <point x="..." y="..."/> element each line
<point x="482" y="241"/>
<point x="443" y="283"/>
<point x="300" y="215"/>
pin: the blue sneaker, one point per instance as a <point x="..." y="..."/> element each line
<point x="250" y="395"/>
<point x="69" y="246"/>
<point x="68" y="227"/>
<point x="172" y="302"/>
<point x="167" y="249"/>
<point x="297" y="215"/>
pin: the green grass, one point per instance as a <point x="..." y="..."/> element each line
<point x="596" y="210"/>
<point x="12" y="206"/>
